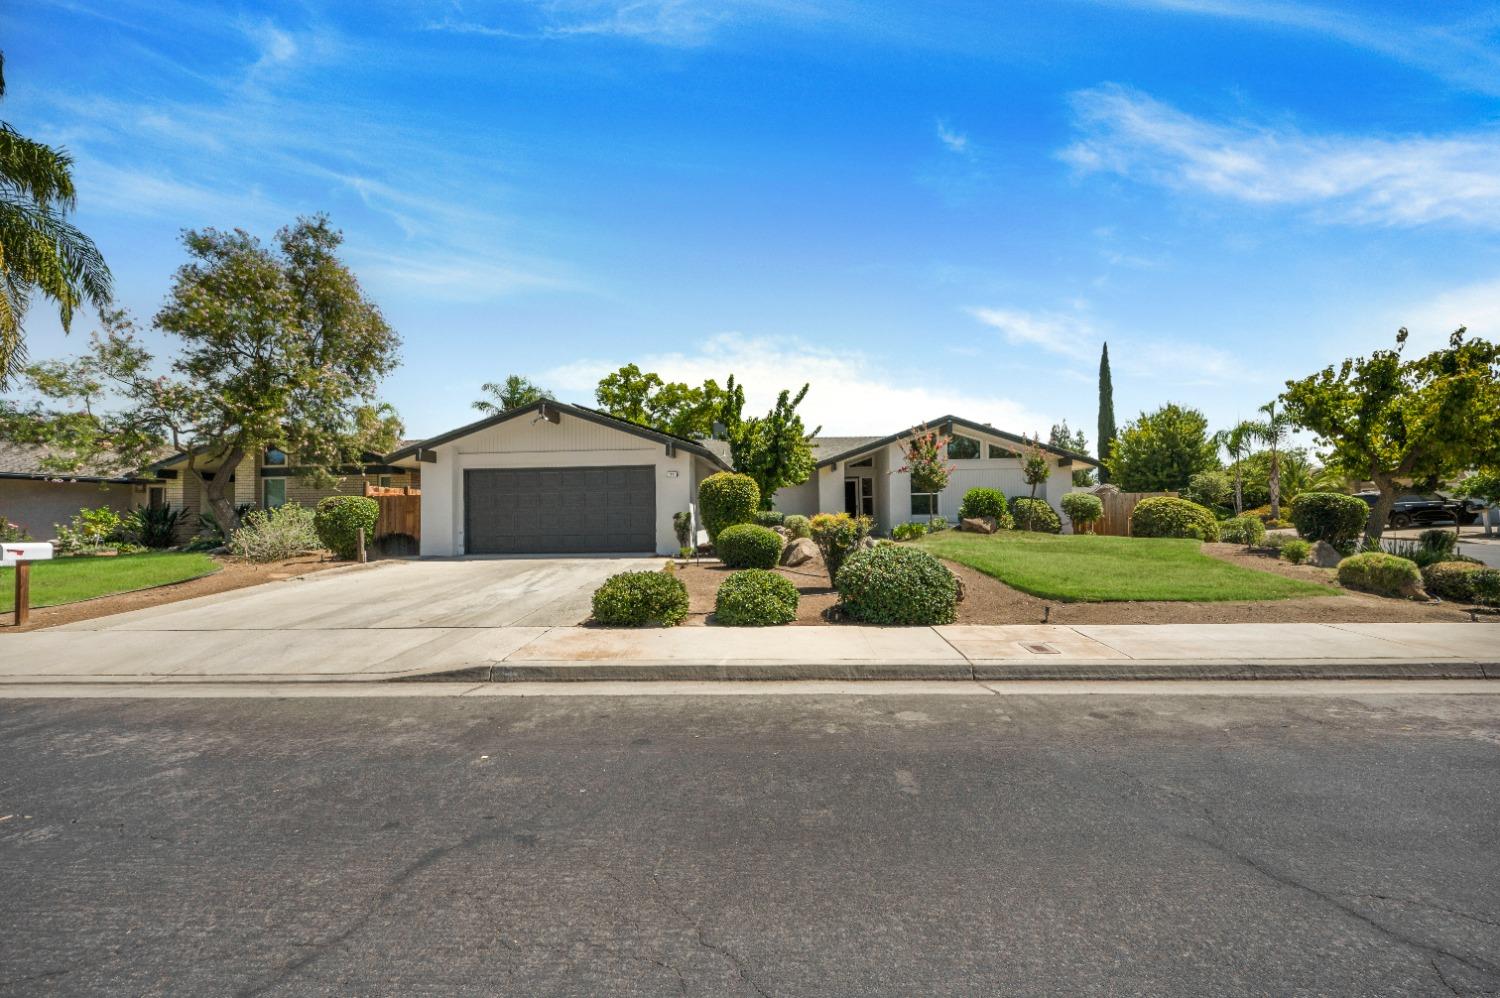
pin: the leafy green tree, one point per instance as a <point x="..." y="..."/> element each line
<point x="1483" y="485"/>
<point x="776" y="449"/>
<point x="1236" y="440"/>
<point x="1391" y="419"/>
<point x="276" y="347"/>
<point x="40" y="250"/>
<point x="1036" y="469"/>
<point x="1073" y="440"/>
<point x="1273" y="431"/>
<point x="669" y="406"/>
<point x="1107" y="434"/>
<point x="512" y="393"/>
<point x="1160" y="451"/>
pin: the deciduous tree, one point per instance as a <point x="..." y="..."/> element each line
<point x="673" y="407"/>
<point x="1160" y="451"/>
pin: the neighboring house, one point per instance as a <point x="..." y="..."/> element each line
<point x="557" y="478"/>
<point x="37" y="499"/>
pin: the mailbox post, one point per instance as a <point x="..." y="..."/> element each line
<point x="20" y="556"/>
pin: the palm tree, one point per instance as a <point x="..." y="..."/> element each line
<point x="1273" y="431"/>
<point x="513" y="393"/>
<point x="40" y="250"/>
<point x="1236" y="440"/>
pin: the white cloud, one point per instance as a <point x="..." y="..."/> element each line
<point x="1068" y="334"/>
<point x="1410" y="180"/>
<point x="954" y="141"/>
<point x="1430" y="322"/>
<point x="850" y="394"/>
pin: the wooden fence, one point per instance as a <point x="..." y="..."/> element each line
<point x="1117" y="509"/>
<point x="400" y="510"/>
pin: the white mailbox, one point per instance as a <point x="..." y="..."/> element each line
<point x="24" y="551"/>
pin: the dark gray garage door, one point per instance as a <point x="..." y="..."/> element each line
<point x="559" y="510"/>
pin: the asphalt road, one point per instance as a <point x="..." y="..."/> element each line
<point x="893" y="845"/>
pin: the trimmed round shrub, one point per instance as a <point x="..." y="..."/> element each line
<point x="1295" y="550"/>
<point x="797" y="524"/>
<point x="1246" y="530"/>
<point x="1082" y="509"/>
<point x="1382" y="574"/>
<point x="755" y="598"/>
<point x="895" y="584"/>
<point x="980" y="502"/>
<point x="1330" y="516"/>
<point x="746" y="545"/>
<point x="338" y="519"/>
<point x="1042" y="517"/>
<point x="641" y="599"/>
<point x="1166" y="516"/>
<point x="727" y="499"/>
<point x="769" y="518"/>
<point x="1463" y="582"/>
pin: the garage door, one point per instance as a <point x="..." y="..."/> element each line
<point x="559" y="510"/>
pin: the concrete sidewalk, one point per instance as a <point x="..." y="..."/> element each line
<point x="568" y="653"/>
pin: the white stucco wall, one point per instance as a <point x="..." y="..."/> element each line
<point x="524" y="443"/>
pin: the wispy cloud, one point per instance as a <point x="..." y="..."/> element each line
<point x="955" y="141"/>
<point x="1408" y="180"/>
<point x="681" y="23"/>
<point x="1066" y="333"/>
<point x="851" y="392"/>
<point x="1475" y="305"/>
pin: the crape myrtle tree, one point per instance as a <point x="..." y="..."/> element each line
<point x="276" y="347"/>
<point x="1391" y="420"/>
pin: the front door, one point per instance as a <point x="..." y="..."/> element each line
<point x="859" y="495"/>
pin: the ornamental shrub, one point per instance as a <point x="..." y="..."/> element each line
<point x="979" y="502"/>
<point x="746" y="545"/>
<point x="641" y="599"/>
<point x="682" y="526"/>
<point x="797" y="525"/>
<point x="1463" y="582"/>
<point x="893" y="584"/>
<point x="1382" y="574"/>
<point x="1246" y="530"/>
<point x="1329" y="516"/>
<point x="1295" y="550"/>
<point x="1041" y="517"/>
<point x="769" y="518"/>
<point x="837" y="535"/>
<point x="726" y="499"/>
<point x="1437" y="541"/>
<point x="1083" y="510"/>
<point x="1166" y="516"/>
<point x="755" y="598"/>
<point x="908" y="531"/>
<point x="338" y="520"/>
<point x="275" y="534"/>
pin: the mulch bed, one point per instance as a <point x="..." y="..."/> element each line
<point x="235" y="574"/>
<point x="990" y="601"/>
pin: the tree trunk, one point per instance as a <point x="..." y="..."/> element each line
<point x="1275" y="485"/>
<point x="1031" y="507"/>
<point x="1239" y="490"/>
<point x="1381" y="511"/>
<point x="218" y="492"/>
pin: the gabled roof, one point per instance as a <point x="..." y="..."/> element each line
<point x="29" y="461"/>
<point x="698" y="447"/>
<point x="860" y="445"/>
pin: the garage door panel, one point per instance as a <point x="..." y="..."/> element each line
<point x="559" y="510"/>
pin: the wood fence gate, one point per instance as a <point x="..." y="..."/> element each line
<point x="400" y="510"/>
<point x="1117" y="509"/>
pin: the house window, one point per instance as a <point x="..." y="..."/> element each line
<point x="924" y="504"/>
<point x="156" y="497"/>
<point x="868" y="462"/>
<point x="384" y="481"/>
<point x="274" y="458"/>
<point x="963" y="449"/>
<point x="998" y="453"/>
<point x="273" y="492"/>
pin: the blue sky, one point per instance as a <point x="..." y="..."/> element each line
<point x="919" y="207"/>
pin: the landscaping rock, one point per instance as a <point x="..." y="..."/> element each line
<point x="979" y="524"/>
<point x="786" y="535"/>
<point x="1324" y="555"/>
<point x="799" y="552"/>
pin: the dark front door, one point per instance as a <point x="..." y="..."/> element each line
<point x="559" y="510"/>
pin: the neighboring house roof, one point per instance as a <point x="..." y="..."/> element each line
<point x="698" y="447"/>
<point x="858" y="445"/>
<point x="29" y="461"/>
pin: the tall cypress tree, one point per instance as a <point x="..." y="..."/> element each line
<point x="1106" y="415"/>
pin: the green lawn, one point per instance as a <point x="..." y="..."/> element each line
<point x="1087" y="568"/>
<point x="68" y="580"/>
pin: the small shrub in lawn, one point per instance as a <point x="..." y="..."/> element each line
<point x="1463" y="582"/>
<point x="746" y="545"/>
<point x="339" y="519"/>
<point x="1035" y="515"/>
<point x="1166" y="516"/>
<point x="1330" y="516"/>
<point x="937" y="523"/>
<point x="727" y="499"/>
<point x="11" y="533"/>
<point x="641" y="599"/>
<point x="908" y="531"/>
<point x="1083" y="510"/>
<point x="1295" y="550"/>
<point x="892" y="584"/>
<point x="837" y="535"/>
<point x="1246" y="530"/>
<point x="980" y="502"/>
<point x="769" y="518"/>
<point x="275" y="534"/>
<point x="796" y="524"/>
<point x="1381" y="574"/>
<point x="89" y="531"/>
<point x="755" y="598"/>
<point x="152" y="526"/>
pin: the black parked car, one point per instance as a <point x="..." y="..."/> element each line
<point x="1417" y="509"/>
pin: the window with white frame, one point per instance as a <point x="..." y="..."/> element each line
<point x="963" y="449"/>
<point x="997" y="452"/>
<point x="924" y="503"/>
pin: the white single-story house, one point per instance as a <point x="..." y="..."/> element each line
<point x="551" y="478"/>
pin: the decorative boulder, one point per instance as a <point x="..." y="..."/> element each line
<point x="799" y="552"/>
<point x="1324" y="555"/>
<point x="979" y="525"/>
